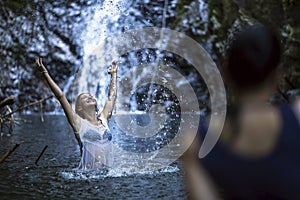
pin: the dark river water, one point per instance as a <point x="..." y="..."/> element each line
<point x="55" y="176"/>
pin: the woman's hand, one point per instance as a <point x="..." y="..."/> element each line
<point x="40" y="66"/>
<point x="113" y="69"/>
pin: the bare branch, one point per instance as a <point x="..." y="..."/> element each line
<point x="26" y="106"/>
<point x="9" y="152"/>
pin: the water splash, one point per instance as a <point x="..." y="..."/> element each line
<point x="92" y="77"/>
<point x="113" y="173"/>
<point x="143" y="64"/>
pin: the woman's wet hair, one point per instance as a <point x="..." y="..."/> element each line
<point x="253" y="56"/>
<point x="78" y="104"/>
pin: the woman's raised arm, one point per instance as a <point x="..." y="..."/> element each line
<point x="112" y="94"/>
<point x="73" y="118"/>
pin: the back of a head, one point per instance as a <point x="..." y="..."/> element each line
<point x="253" y="56"/>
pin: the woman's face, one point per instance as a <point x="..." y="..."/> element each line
<point x="87" y="100"/>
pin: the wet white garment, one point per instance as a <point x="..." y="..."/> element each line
<point x="97" y="151"/>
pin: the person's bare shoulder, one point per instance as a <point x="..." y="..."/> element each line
<point x="297" y="108"/>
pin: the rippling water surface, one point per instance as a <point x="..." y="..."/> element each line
<point x="55" y="176"/>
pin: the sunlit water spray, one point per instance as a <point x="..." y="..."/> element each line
<point x="148" y="123"/>
<point x="93" y="77"/>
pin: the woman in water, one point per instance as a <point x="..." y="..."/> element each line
<point x="257" y="155"/>
<point x="90" y="127"/>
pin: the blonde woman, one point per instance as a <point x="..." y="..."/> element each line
<point x="90" y="127"/>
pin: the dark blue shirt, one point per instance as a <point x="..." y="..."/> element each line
<point x="275" y="176"/>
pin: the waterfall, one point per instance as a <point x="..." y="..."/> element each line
<point x="92" y="77"/>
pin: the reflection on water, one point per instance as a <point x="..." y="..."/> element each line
<point x="55" y="176"/>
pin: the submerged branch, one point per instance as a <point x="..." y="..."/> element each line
<point x="9" y="152"/>
<point x="43" y="151"/>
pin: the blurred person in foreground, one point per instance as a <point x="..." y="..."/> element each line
<point x="258" y="153"/>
